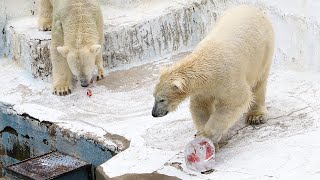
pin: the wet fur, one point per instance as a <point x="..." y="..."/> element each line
<point x="225" y="75"/>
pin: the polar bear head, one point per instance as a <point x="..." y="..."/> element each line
<point x="81" y="61"/>
<point x="168" y="94"/>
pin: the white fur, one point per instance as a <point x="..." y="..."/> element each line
<point x="77" y="40"/>
<point x="225" y="75"/>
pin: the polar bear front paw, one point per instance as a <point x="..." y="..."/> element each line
<point x="202" y="134"/>
<point x="255" y="118"/>
<point x="61" y="90"/>
<point x="214" y="137"/>
<point x="100" y="75"/>
<point x="45" y="24"/>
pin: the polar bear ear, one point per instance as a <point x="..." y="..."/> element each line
<point x="95" y="49"/>
<point x="63" y="51"/>
<point x="179" y="84"/>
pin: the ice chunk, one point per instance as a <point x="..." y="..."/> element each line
<point x="200" y="154"/>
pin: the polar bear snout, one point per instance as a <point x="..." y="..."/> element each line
<point x="85" y="81"/>
<point x="159" y="109"/>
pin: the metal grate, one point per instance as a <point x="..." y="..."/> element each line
<point x="54" y="165"/>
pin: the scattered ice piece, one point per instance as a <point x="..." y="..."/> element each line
<point x="89" y="92"/>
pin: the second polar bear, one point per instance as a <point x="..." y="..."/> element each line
<point x="224" y="76"/>
<point x="77" y="40"/>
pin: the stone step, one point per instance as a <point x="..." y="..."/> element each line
<point x="136" y="33"/>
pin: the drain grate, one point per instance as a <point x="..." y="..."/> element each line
<point x="54" y="165"/>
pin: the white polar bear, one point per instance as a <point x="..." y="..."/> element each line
<point x="77" y="40"/>
<point x="224" y="76"/>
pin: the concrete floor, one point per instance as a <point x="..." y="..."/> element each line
<point x="121" y="105"/>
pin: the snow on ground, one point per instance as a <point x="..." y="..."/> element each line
<point x="286" y="147"/>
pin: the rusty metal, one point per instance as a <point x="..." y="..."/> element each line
<point x="54" y="165"/>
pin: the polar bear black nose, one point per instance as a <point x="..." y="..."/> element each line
<point x="84" y="83"/>
<point x="154" y="111"/>
<point x="159" y="111"/>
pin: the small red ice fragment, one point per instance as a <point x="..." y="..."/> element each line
<point x="89" y="92"/>
<point x="203" y="143"/>
<point x="193" y="158"/>
<point x="209" y="151"/>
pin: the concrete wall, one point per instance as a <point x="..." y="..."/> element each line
<point x="19" y="8"/>
<point x="10" y="9"/>
<point x="132" y="35"/>
<point x="3" y="21"/>
<point x="297" y="24"/>
<point x="22" y="137"/>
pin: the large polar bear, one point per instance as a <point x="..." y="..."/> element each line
<point x="224" y="76"/>
<point x="77" y="39"/>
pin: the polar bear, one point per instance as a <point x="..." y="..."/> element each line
<point x="224" y="76"/>
<point x="77" y="40"/>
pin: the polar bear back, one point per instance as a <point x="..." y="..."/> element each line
<point x="242" y="40"/>
<point x="79" y="21"/>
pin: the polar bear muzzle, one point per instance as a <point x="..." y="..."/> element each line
<point x="84" y="82"/>
<point x="159" y="109"/>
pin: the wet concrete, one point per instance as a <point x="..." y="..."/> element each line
<point x="100" y="175"/>
<point x="136" y="77"/>
<point x="145" y="176"/>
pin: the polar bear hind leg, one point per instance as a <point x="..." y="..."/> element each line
<point x="256" y="114"/>
<point x="258" y="109"/>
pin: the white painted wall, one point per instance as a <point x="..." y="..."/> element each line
<point x="3" y="21"/>
<point x="18" y="8"/>
<point x="297" y="26"/>
<point x="10" y="9"/>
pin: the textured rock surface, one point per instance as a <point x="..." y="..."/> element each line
<point x="10" y="9"/>
<point x="132" y="35"/>
<point x="3" y="20"/>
